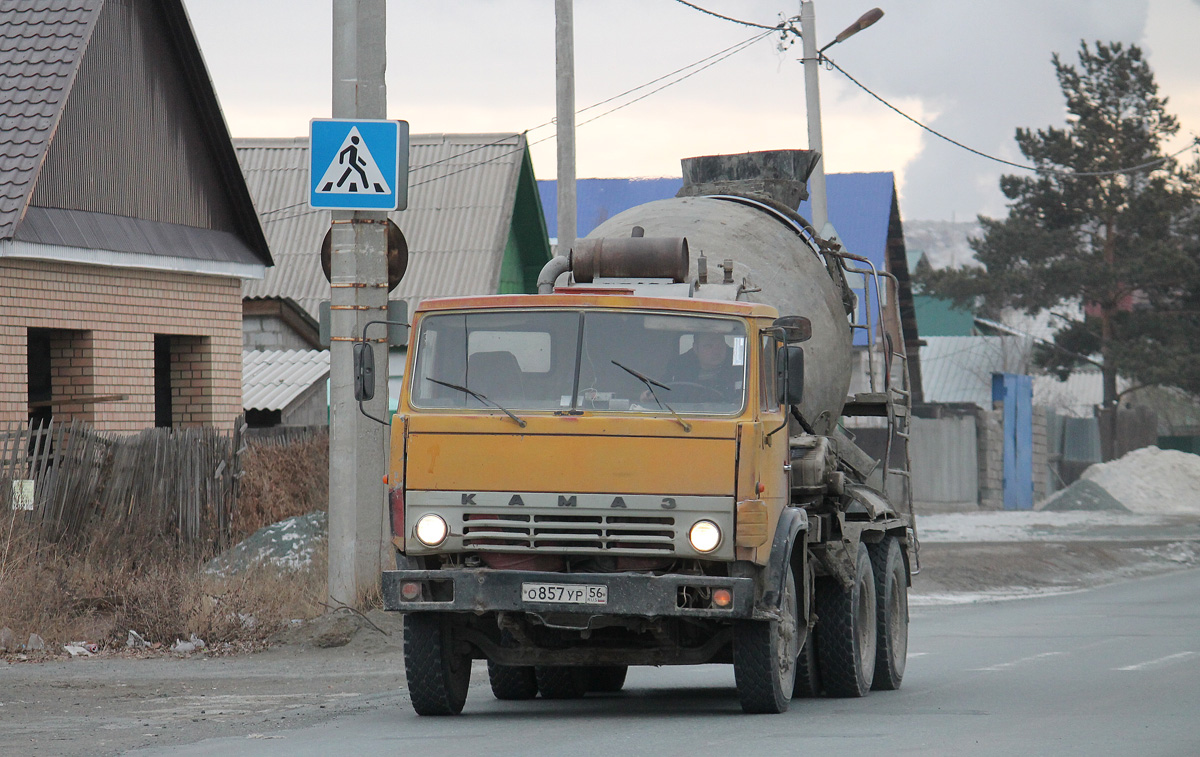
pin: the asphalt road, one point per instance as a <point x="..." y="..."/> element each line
<point x="1107" y="671"/>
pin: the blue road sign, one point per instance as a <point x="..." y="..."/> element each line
<point x="358" y="165"/>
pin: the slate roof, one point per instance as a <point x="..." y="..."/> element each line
<point x="959" y="369"/>
<point x="272" y="379"/>
<point x="462" y="188"/>
<point x="41" y="42"/>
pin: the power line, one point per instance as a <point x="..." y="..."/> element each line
<point x="739" y="45"/>
<point x="1023" y="167"/>
<point x="712" y="61"/>
<point x="280" y="210"/>
<point x="702" y="64"/>
<point x="781" y="26"/>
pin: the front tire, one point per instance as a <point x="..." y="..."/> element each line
<point x="438" y="674"/>
<point x="512" y="682"/>
<point x="891" y="591"/>
<point x="846" y="631"/>
<point x="764" y="656"/>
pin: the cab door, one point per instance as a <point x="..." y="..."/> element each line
<point x="773" y="456"/>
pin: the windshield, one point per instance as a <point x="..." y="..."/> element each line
<point x="580" y="361"/>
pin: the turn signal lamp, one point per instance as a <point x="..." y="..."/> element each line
<point x="722" y="598"/>
<point x="705" y="536"/>
<point x="431" y="530"/>
<point x="410" y="590"/>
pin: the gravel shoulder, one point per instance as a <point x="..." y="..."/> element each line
<point x="111" y="704"/>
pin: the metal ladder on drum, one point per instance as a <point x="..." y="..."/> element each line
<point x="895" y="400"/>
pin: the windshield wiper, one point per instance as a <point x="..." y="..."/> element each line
<point x="479" y="397"/>
<point x="650" y="384"/>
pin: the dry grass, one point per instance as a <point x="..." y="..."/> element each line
<point x="65" y="596"/>
<point x="282" y="480"/>
<point x="98" y="589"/>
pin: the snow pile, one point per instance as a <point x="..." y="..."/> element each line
<point x="287" y="545"/>
<point x="1148" y="481"/>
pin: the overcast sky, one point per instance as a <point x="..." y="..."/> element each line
<point x="974" y="70"/>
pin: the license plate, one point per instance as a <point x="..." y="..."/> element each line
<point x="574" y="594"/>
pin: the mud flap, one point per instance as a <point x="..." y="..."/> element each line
<point x="792" y="521"/>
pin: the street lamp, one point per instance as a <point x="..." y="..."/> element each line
<point x="812" y="64"/>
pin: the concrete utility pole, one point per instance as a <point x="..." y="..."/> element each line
<point x="357" y="444"/>
<point x="564" y="89"/>
<point x="812" y="94"/>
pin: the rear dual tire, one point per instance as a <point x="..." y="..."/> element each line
<point x="847" y="631"/>
<point x="891" y="591"/>
<point x="562" y="681"/>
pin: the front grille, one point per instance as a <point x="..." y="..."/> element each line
<point x="624" y="534"/>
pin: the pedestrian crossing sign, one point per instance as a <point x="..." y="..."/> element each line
<point x="358" y="165"/>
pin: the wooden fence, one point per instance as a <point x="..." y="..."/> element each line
<point x="69" y="479"/>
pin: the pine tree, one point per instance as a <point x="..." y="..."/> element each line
<point x="1124" y="244"/>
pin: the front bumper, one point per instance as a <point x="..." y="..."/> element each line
<point x="480" y="590"/>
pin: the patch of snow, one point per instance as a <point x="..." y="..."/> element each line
<point x="289" y="545"/>
<point x="1151" y="480"/>
<point x="944" y="599"/>
<point x="1028" y="525"/>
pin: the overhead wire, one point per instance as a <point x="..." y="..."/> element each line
<point x="778" y="27"/>
<point x="1025" y="167"/>
<point x="719" y="53"/>
<point x="691" y="70"/>
<point x="712" y="62"/>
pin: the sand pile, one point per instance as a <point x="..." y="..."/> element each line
<point x="1148" y="480"/>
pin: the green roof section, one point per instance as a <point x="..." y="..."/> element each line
<point x="528" y="246"/>
<point x="936" y="317"/>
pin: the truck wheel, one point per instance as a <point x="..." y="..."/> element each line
<point x="512" y="681"/>
<point x="846" y="632"/>
<point x="808" y="681"/>
<point x="561" y="681"/>
<point x="891" y="609"/>
<point x="764" y="656"/>
<point x="607" y="678"/>
<point x="438" y="674"/>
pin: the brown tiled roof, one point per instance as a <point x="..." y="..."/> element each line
<point x="41" y="42"/>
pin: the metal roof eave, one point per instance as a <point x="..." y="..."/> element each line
<point x="18" y="250"/>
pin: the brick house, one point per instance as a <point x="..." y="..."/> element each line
<point x="126" y="228"/>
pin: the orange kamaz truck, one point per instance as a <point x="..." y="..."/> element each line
<point x="645" y="464"/>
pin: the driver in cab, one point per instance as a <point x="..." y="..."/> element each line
<point x="706" y="372"/>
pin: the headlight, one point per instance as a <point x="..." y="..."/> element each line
<point x="704" y="536"/>
<point x="431" y="530"/>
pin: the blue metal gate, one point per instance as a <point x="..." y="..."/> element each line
<point x="1016" y="392"/>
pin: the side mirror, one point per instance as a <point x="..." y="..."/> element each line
<point x="364" y="371"/>
<point x="796" y="328"/>
<point x="790" y="362"/>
